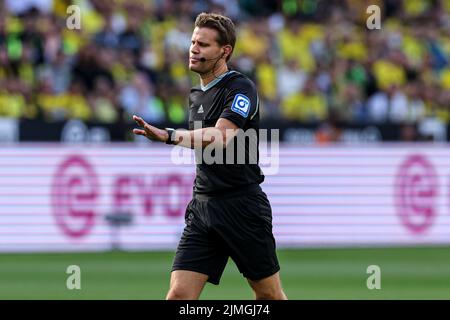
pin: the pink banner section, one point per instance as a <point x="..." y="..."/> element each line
<point x="56" y="197"/>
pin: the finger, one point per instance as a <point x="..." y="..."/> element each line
<point x="139" y="121"/>
<point x="139" y="132"/>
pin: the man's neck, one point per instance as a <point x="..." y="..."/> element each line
<point x="210" y="76"/>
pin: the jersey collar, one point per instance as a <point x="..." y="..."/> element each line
<point x="215" y="81"/>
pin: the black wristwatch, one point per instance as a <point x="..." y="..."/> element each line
<point x="171" y="133"/>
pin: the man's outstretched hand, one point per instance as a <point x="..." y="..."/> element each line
<point x="150" y="131"/>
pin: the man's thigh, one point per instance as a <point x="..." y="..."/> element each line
<point x="186" y="285"/>
<point x="268" y="288"/>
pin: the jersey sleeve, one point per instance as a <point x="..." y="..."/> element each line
<point x="241" y="102"/>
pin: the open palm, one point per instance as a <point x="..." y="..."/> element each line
<point x="149" y="131"/>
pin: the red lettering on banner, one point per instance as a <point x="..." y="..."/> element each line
<point x="75" y="192"/>
<point x="128" y="188"/>
<point x="74" y="195"/>
<point x="122" y="193"/>
<point x="416" y="193"/>
<point x="171" y="192"/>
<point x="146" y="196"/>
<point x="174" y="181"/>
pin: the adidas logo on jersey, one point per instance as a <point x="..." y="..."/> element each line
<point x="200" y="110"/>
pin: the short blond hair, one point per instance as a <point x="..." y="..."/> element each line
<point x="223" y="25"/>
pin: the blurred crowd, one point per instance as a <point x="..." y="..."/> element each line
<point x="312" y="60"/>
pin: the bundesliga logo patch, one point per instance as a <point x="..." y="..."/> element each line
<point x="241" y="105"/>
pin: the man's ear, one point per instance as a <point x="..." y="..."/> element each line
<point x="226" y="51"/>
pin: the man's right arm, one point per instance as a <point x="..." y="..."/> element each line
<point x="221" y="134"/>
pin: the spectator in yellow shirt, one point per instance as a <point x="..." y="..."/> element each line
<point x="308" y="105"/>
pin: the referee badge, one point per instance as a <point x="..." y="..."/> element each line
<point x="241" y="105"/>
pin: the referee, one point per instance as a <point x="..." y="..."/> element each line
<point x="229" y="215"/>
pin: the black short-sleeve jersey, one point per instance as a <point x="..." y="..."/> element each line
<point x="232" y="96"/>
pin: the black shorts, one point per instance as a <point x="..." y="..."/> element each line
<point x="237" y="225"/>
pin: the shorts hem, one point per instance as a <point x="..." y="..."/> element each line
<point x="211" y="279"/>
<point x="262" y="275"/>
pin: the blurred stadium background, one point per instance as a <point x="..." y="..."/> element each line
<point x="363" y="176"/>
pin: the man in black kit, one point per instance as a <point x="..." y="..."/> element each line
<point x="229" y="215"/>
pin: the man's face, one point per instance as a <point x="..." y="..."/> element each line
<point x="204" y="45"/>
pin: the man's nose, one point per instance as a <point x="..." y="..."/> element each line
<point x="194" y="49"/>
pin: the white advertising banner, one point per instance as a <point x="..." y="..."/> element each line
<point x="56" y="197"/>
